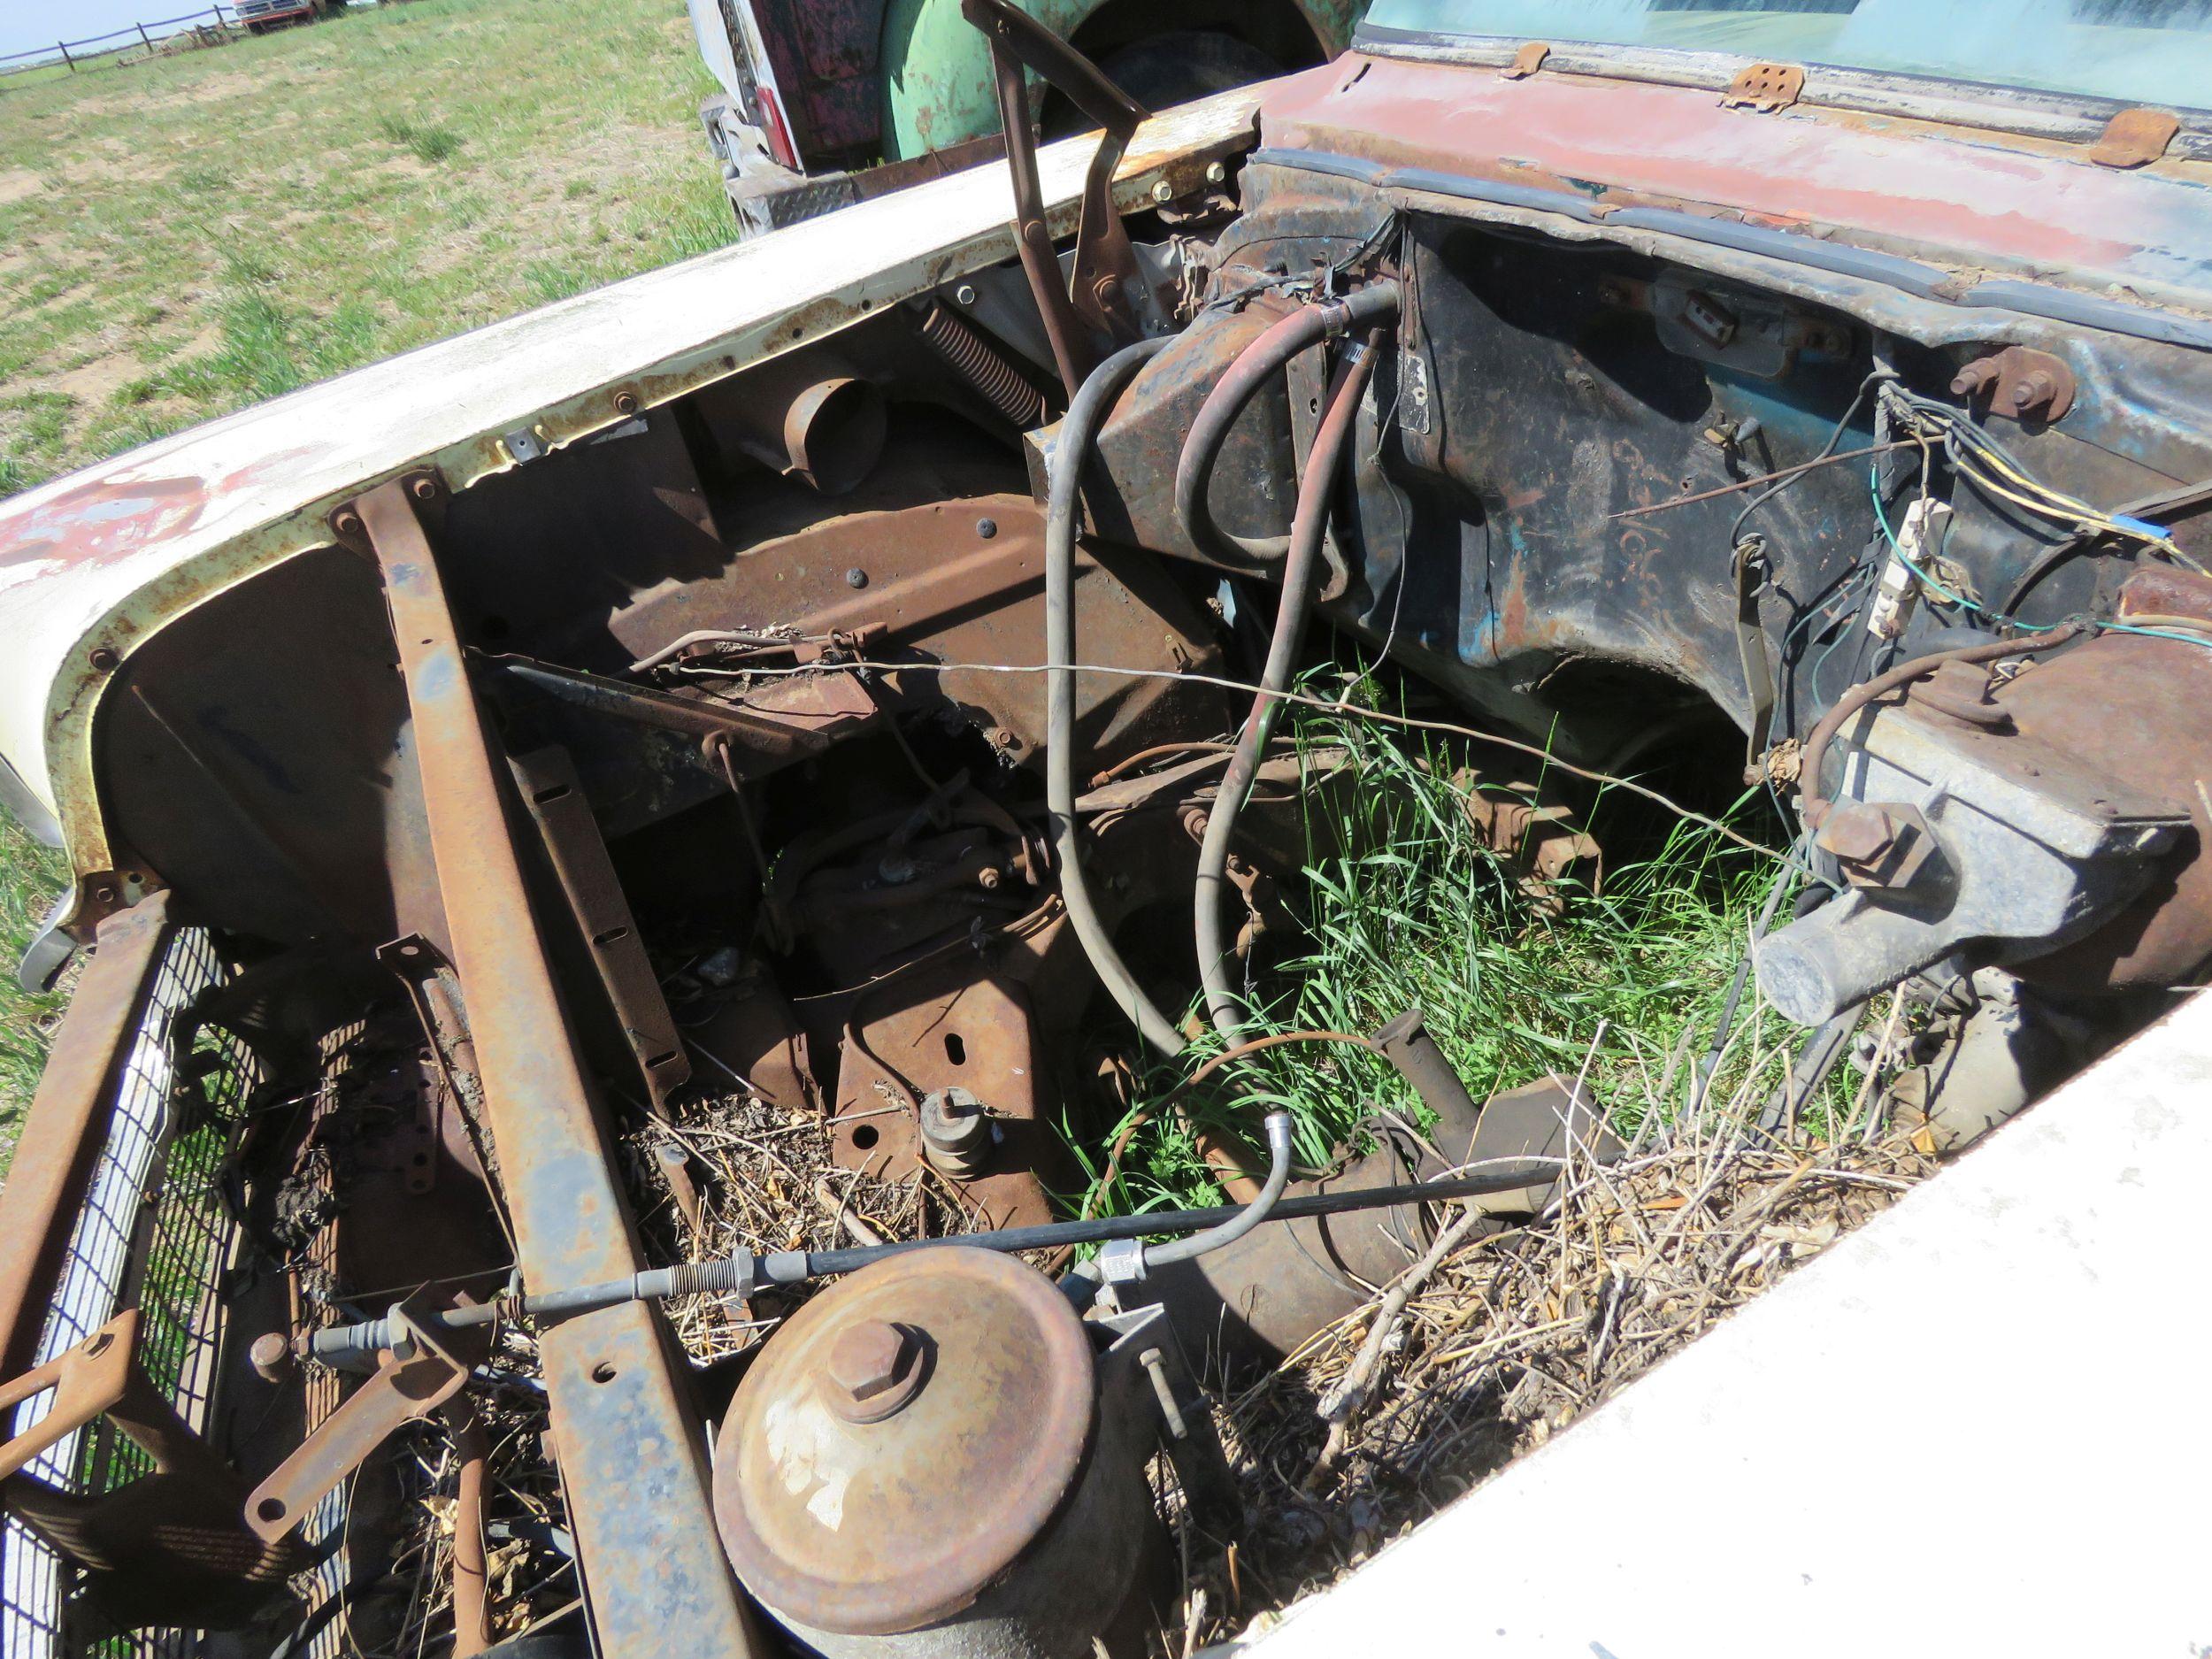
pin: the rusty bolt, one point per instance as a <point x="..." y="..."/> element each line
<point x="988" y="878"/>
<point x="1855" y="833"/>
<point x="856" y="577"/>
<point x="1216" y="174"/>
<point x="1878" y="846"/>
<point x="1164" y="193"/>
<point x="271" y="1356"/>
<point x="676" y="1170"/>
<point x="104" y="659"/>
<point x="2033" y="390"/>
<point x="1194" y="822"/>
<point x="626" y="403"/>
<point x="1004" y="737"/>
<point x="1974" y="376"/>
<point x="873" y="1368"/>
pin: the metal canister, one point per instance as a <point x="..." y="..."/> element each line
<point x="925" y="1461"/>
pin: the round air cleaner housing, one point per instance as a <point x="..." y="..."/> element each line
<point x="918" y="1464"/>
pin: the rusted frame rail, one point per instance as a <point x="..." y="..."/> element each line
<point x="630" y="1450"/>
<point x="65" y="1130"/>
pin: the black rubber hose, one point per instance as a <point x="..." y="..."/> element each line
<point x="1078" y="430"/>
<point x="1315" y="491"/>
<point x="1256" y="364"/>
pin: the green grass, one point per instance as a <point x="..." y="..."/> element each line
<point x="319" y="199"/>
<point x="1401" y="905"/>
<point x="182" y="237"/>
<point x="26" y="1023"/>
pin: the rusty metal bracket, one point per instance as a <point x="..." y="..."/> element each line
<point x="1748" y="567"/>
<point x="556" y="801"/>
<point x="628" y="1432"/>
<point x="1527" y="60"/>
<point x="2134" y="138"/>
<point x="413" y="1381"/>
<point x="169" y="1548"/>
<point x="2021" y="382"/>
<point x="1764" y="87"/>
<point x="1100" y="299"/>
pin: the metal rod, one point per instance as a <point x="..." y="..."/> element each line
<point x="735" y="1274"/>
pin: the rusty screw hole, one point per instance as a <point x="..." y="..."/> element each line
<point x="270" y="1509"/>
<point x="864" y="1136"/>
<point x="423" y="490"/>
<point x="104" y="658"/>
<point x="346" y="524"/>
<point x="626" y="403"/>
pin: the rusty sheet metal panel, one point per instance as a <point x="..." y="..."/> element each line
<point x="1959" y="198"/>
<point x="628" y="1445"/>
<point x="45" y="1186"/>
<point x="92" y="564"/>
<point x="579" y="859"/>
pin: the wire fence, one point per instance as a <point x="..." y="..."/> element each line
<point x="216" y="26"/>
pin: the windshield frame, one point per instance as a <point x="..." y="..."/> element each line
<point x="2027" y="111"/>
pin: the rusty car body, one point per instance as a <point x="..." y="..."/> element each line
<point x="465" y="763"/>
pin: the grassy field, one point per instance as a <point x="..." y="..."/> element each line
<point x="186" y="236"/>
<point x="195" y="233"/>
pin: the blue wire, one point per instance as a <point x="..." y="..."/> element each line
<point x="1926" y="581"/>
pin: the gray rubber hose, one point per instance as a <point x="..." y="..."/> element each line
<point x="1085" y="414"/>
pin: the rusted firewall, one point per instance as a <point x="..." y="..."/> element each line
<point x="628" y="1442"/>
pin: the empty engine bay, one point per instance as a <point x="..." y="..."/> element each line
<point x="786" y="746"/>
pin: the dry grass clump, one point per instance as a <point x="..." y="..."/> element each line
<point x="765" y="1181"/>
<point x="1494" y="1341"/>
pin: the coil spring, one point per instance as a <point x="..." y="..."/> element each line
<point x="983" y="366"/>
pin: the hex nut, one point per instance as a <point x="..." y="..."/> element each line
<point x="1855" y="833"/>
<point x="1878" y="845"/>
<point x="1163" y="192"/>
<point x="872" y="1368"/>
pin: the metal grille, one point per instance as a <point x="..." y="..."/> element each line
<point x="154" y="1232"/>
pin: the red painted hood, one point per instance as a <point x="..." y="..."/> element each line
<point x="1947" y="195"/>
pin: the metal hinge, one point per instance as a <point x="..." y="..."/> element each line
<point x="1528" y="60"/>
<point x="2134" y="138"/>
<point x="1765" y="88"/>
